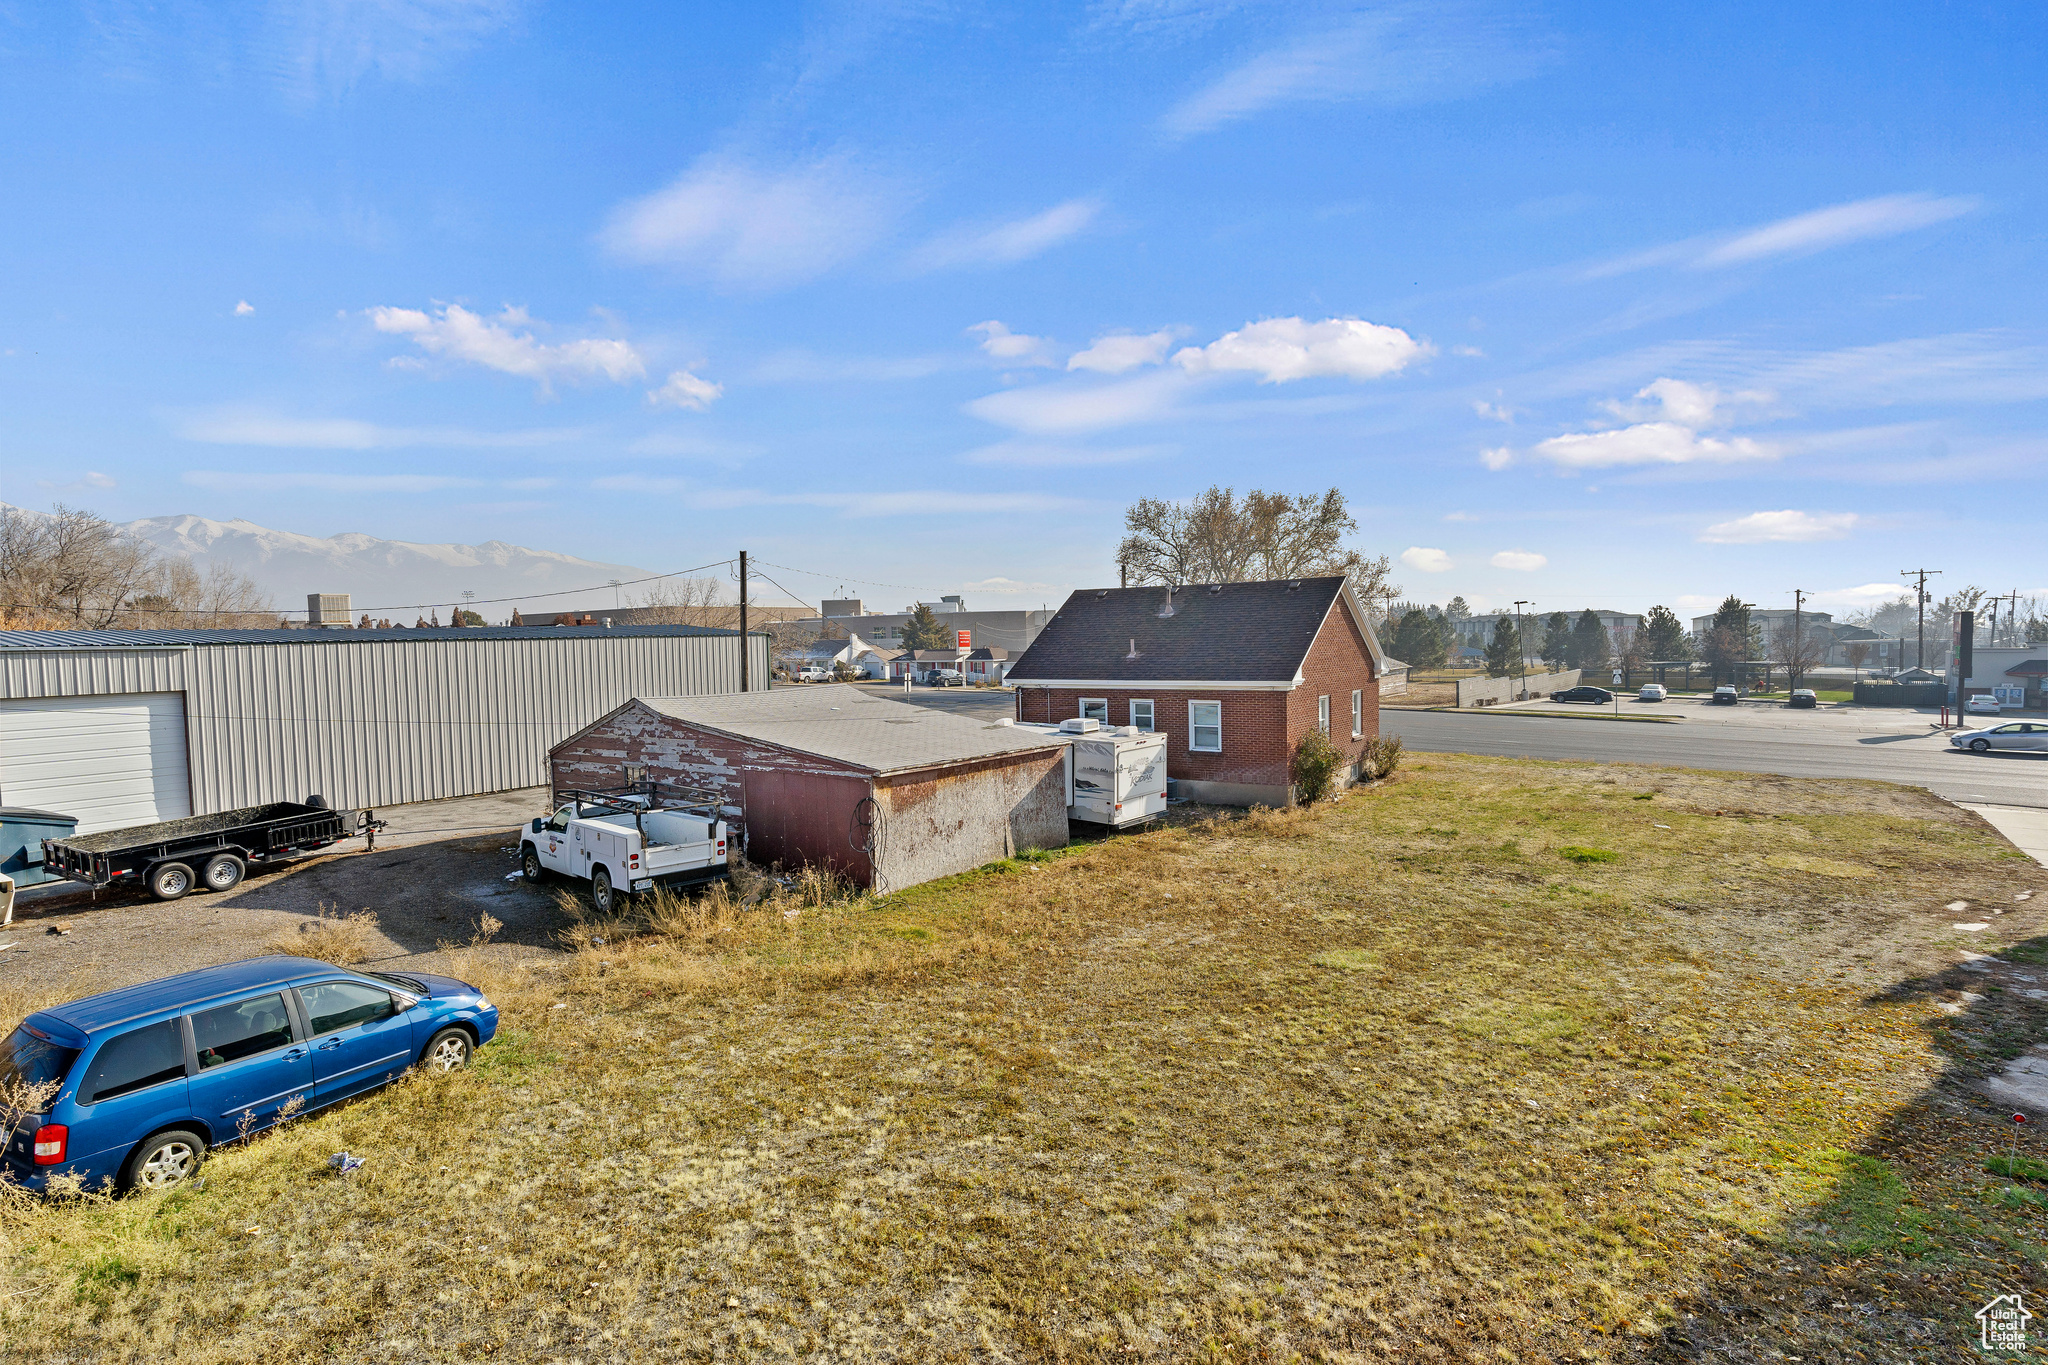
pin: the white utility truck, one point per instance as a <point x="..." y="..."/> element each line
<point x="650" y="835"/>
<point x="1116" y="775"/>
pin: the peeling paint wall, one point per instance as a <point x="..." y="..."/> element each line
<point x="934" y="826"/>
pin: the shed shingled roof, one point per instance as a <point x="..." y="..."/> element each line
<point x="1228" y="632"/>
<point x="851" y="726"/>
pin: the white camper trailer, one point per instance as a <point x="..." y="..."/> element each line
<point x="1116" y="775"/>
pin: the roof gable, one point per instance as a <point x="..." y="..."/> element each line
<point x="1222" y="633"/>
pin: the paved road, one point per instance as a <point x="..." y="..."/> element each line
<point x="1924" y="760"/>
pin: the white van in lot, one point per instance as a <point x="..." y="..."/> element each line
<point x="1652" y="692"/>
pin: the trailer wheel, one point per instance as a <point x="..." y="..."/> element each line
<point x="169" y="881"/>
<point x="601" y="893"/>
<point x="223" y="872"/>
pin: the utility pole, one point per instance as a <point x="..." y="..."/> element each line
<point x="1796" y="656"/>
<point x="1920" y="593"/>
<point x="743" y="620"/>
<point x="1521" y="648"/>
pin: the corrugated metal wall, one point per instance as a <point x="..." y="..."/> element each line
<point x="380" y="722"/>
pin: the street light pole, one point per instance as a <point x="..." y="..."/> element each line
<point x="1521" y="649"/>
<point x="1795" y="655"/>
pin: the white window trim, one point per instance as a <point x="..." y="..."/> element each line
<point x="1195" y="748"/>
<point x="1323" y="714"/>
<point x="1086" y="702"/>
<point x="1151" y="711"/>
<point x="1358" y="714"/>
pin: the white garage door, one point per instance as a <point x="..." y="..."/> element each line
<point x="110" y="761"/>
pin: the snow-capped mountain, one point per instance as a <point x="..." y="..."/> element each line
<point x="384" y="576"/>
<point x="387" y="577"/>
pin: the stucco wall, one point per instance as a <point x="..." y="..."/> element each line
<point x="934" y="825"/>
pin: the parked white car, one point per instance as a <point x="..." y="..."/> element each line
<point x="1984" y="704"/>
<point x="2018" y="734"/>
<point x="1652" y="692"/>
<point x="622" y="842"/>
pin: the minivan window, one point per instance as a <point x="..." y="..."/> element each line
<point x="242" y="1029"/>
<point x="335" y="1005"/>
<point x="29" y="1058"/>
<point x="134" y="1060"/>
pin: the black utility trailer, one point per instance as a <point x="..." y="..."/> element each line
<point x="172" y="857"/>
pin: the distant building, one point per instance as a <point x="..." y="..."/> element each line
<point x="1475" y="631"/>
<point x="1010" y="630"/>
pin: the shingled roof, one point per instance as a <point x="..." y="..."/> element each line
<point x="1218" y="633"/>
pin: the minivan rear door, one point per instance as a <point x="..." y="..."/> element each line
<point x="132" y="1085"/>
<point x="252" y="1060"/>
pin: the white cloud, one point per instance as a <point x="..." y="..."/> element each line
<point x="244" y="308"/>
<point x="745" y="227"/>
<point x="1018" y="348"/>
<point x="90" y="479"/>
<point x="1001" y="587"/>
<point x="1044" y="455"/>
<point x="500" y="344"/>
<point x="1423" y="558"/>
<point x="1788" y="526"/>
<point x="1494" y="412"/>
<point x="1649" y="443"/>
<point x="1885" y="216"/>
<point x="1397" y="55"/>
<point x="1522" y="560"/>
<point x="239" y="481"/>
<point x="685" y="390"/>
<point x="1121" y="352"/>
<point x="1862" y="595"/>
<point x="1058" y="409"/>
<point x="327" y="46"/>
<point x="1499" y="457"/>
<point x="249" y="427"/>
<point x="1690" y="405"/>
<point x="1004" y="243"/>
<point x="1282" y="349"/>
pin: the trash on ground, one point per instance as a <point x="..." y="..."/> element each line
<point x="558" y="1005"/>
<point x="53" y="929"/>
<point x="344" y="1164"/>
<point x="1956" y="907"/>
<point x="513" y="876"/>
<point x="1970" y="928"/>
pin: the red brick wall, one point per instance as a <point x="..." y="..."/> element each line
<point x="1260" y="729"/>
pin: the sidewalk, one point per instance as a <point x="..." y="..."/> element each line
<point x="2026" y="826"/>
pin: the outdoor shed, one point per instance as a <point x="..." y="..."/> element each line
<point x="886" y="793"/>
<point x="126" y="727"/>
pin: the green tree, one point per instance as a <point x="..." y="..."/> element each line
<point x="1456" y="610"/>
<point x="1504" y="651"/>
<point x="1731" y="639"/>
<point x="1419" y="640"/>
<point x="925" y="631"/>
<point x="1589" y="642"/>
<point x="1663" y="637"/>
<point x="1557" y="640"/>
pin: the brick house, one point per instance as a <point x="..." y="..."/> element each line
<point x="1233" y="673"/>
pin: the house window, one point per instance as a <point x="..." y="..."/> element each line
<point x="1095" y="708"/>
<point x="1141" y="715"/>
<point x="1357" y="715"/>
<point x="1323" y="715"/>
<point x="1205" y="727"/>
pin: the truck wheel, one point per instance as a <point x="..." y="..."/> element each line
<point x="164" y="1160"/>
<point x="601" y="894"/>
<point x="223" y="872"/>
<point x="530" y="866"/>
<point x="169" y="881"/>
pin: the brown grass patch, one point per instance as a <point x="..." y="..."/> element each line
<point x="331" y="937"/>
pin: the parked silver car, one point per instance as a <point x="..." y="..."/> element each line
<point x="2017" y="734"/>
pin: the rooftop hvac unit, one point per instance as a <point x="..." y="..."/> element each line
<point x="1080" y="725"/>
<point x="327" y="609"/>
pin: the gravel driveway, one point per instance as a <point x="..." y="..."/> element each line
<point x="436" y="871"/>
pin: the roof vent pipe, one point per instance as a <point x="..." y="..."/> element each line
<point x="1134" y="651"/>
<point x="1167" y="610"/>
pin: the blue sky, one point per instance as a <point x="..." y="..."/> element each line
<point x="1611" y="304"/>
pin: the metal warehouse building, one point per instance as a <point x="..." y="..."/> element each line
<point x="123" y="727"/>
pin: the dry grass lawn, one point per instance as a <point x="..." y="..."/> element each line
<point x="1389" y="1079"/>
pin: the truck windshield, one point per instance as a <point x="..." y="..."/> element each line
<point x="28" y="1058"/>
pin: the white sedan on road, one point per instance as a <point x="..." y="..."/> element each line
<point x="2018" y="734"/>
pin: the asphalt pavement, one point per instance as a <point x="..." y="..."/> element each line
<point x="1917" y="758"/>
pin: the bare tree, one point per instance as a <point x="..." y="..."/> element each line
<point x="685" y="602"/>
<point x="1858" y="653"/>
<point x="1215" y="538"/>
<point x="1800" y="652"/>
<point x="73" y="570"/>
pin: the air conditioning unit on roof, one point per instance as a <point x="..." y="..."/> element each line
<point x="1080" y="725"/>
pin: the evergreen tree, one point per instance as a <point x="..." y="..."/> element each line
<point x="1589" y="642"/>
<point x="1731" y="639"/>
<point x="924" y="630"/>
<point x="1663" y="637"/>
<point x="1504" y="651"/>
<point x="1419" y="641"/>
<point x="1456" y="610"/>
<point x="1557" y="640"/>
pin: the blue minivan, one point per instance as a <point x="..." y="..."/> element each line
<point x="150" y="1076"/>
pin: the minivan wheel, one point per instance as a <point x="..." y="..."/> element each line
<point x="1980" y="746"/>
<point x="163" y="1161"/>
<point x="223" y="872"/>
<point x="601" y="894"/>
<point x="169" y="881"/>
<point x="447" y="1050"/>
<point x="530" y="866"/>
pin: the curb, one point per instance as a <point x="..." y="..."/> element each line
<point x="1552" y="715"/>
